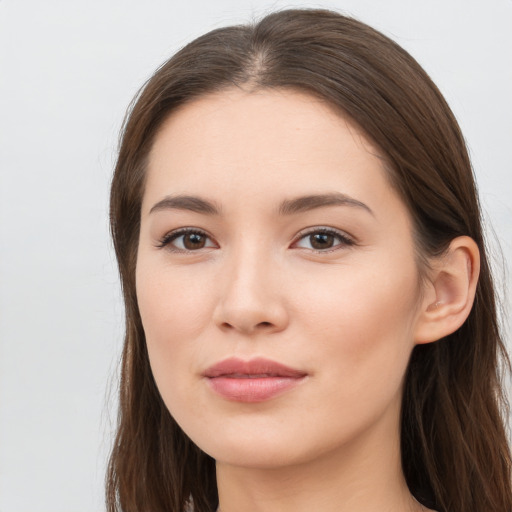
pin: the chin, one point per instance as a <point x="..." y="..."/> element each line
<point x="256" y="455"/>
<point x="264" y="447"/>
<point x="258" y="445"/>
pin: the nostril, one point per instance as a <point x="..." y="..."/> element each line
<point x="261" y="325"/>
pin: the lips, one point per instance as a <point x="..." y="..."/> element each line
<point x="256" y="380"/>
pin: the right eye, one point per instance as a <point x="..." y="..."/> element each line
<point x="186" y="240"/>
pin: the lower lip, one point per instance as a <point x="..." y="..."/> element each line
<point x="252" y="389"/>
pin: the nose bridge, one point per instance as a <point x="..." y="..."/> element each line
<point x="248" y="273"/>
<point x="251" y="298"/>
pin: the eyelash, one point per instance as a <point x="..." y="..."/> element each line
<point x="344" y="240"/>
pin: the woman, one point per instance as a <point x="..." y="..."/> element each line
<point x="310" y="314"/>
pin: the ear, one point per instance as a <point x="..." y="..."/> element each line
<point x="450" y="291"/>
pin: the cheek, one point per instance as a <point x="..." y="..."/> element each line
<point x="362" y="321"/>
<point x="172" y="304"/>
<point x="175" y="309"/>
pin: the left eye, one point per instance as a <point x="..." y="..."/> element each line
<point x="323" y="240"/>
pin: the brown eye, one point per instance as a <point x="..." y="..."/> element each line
<point x="193" y="241"/>
<point x="324" y="240"/>
<point x="321" y="241"/>
<point x="185" y="240"/>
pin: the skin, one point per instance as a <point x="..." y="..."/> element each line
<point x="348" y="315"/>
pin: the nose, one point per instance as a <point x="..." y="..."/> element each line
<point x="252" y="296"/>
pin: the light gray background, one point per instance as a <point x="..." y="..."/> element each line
<point x="68" y="69"/>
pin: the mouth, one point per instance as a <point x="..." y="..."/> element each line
<point x="255" y="380"/>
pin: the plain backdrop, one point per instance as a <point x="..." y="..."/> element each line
<point x="68" y="70"/>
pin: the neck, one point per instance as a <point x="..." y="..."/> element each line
<point x="363" y="477"/>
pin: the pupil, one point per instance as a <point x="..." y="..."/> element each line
<point x="321" y="240"/>
<point x="194" y="241"/>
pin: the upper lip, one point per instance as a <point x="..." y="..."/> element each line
<point x="258" y="367"/>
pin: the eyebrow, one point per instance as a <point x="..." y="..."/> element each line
<point x="311" y="202"/>
<point x="287" y="207"/>
<point x="191" y="203"/>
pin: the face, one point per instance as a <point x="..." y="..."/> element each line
<point x="276" y="279"/>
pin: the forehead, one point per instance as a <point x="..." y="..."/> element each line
<point x="237" y="144"/>
<point x="259" y="120"/>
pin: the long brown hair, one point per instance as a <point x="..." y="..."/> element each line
<point x="455" y="455"/>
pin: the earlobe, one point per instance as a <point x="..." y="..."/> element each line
<point x="452" y="291"/>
